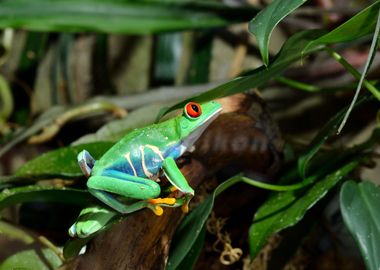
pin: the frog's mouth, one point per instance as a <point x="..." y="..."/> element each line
<point x="189" y="141"/>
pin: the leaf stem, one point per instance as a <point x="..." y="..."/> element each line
<point x="240" y="178"/>
<point x="370" y="87"/>
<point x="6" y="106"/>
<point x="298" y="85"/>
<point x="267" y="186"/>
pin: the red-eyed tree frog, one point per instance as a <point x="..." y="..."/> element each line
<point x="125" y="177"/>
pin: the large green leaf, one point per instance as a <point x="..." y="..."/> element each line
<point x="266" y="20"/>
<point x="284" y="209"/>
<point x="116" y="129"/>
<point x="23" y="250"/>
<point x="61" y="162"/>
<point x="43" y="193"/>
<point x="58" y="163"/>
<point x="361" y="214"/>
<point x="117" y="16"/>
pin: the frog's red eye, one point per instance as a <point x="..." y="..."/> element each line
<point x="193" y="109"/>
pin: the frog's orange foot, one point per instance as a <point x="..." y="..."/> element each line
<point x="169" y="201"/>
<point x="156" y="208"/>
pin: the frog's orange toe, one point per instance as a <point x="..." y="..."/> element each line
<point x="172" y="189"/>
<point x="169" y="201"/>
<point x="157" y="210"/>
<point x="185" y="207"/>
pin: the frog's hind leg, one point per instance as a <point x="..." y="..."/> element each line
<point x="129" y="186"/>
<point x="86" y="162"/>
<point x="114" y="203"/>
<point x="126" y="185"/>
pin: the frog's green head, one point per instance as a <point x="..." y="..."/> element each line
<point x="195" y="119"/>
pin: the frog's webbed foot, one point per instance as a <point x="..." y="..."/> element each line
<point x="156" y="204"/>
<point x="183" y="199"/>
<point x="86" y="162"/>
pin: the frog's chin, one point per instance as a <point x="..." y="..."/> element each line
<point x="188" y="143"/>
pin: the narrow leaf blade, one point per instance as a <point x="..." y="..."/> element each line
<point x="192" y="225"/>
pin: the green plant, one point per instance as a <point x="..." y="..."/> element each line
<point x="313" y="173"/>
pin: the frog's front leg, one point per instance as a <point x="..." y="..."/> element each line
<point x="178" y="180"/>
<point x="144" y="190"/>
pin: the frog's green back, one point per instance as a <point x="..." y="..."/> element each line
<point x="142" y="151"/>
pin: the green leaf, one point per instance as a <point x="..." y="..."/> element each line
<point x="188" y="231"/>
<point x="361" y="214"/>
<point x="43" y="193"/>
<point x="61" y="162"/>
<point x="266" y="20"/>
<point x="116" y="16"/>
<point x="116" y="129"/>
<point x="24" y="251"/>
<point x="192" y="256"/>
<point x="329" y="130"/>
<point x="360" y="25"/>
<point x="192" y="225"/>
<point x="285" y="209"/>
<point x="31" y="259"/>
